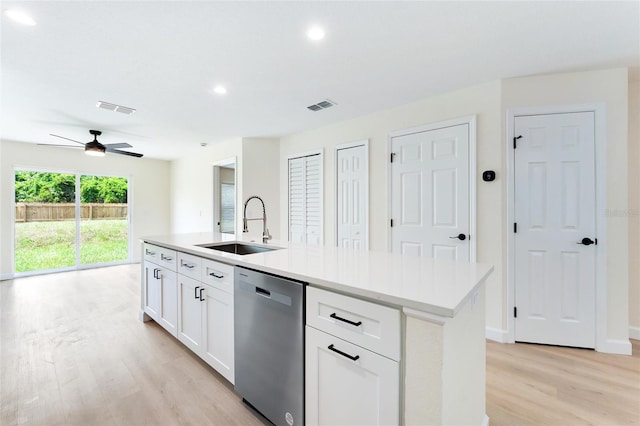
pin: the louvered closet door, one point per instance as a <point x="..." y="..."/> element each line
<point x="305" y="199"/>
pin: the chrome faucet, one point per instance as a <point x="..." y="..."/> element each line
<point x="265" y="232"/>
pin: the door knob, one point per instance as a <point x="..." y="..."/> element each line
<point x="460" y="237"/>
<point x="586" y="241"/>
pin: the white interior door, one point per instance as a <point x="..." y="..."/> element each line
<point x="305" y="198"/>
<point x="352" y="197"/>
<point x="554" y="211"/>
<point x="430" y="193"/>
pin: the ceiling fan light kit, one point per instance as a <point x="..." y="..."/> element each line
<point x="96" y="149"/>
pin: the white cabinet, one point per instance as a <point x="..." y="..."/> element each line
<point x="205" y="314"/>
<point x="217" y="332"/>
<point x="190" y="299"/>
<point x="351" y="360"/>
<point x="348" y="385"/>
<point x="160" y="295"/>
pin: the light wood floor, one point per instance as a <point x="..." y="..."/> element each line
<point x="72" y="351"/>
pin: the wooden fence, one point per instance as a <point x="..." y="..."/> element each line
<point x="44" y="212"/>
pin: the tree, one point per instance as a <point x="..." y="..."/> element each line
<point x="43" y="187"/>
<point x="101" y="189"/>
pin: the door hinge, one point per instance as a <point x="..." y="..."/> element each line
<point x="515" y="228"/>
<point x="514" y="141"/>
<point x="391" y="156"/>
<point x="392" y="223"/>
<point x="515" y="312"/>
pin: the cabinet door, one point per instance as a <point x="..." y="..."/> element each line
<point x="152" y="290"/>
<point x="190" y="312"/>
<point x="217" y="344"/>
<point x="343" y="391"/>
<point x="169" y="303"/>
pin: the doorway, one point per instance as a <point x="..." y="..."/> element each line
<point x="432" y="196"/>
<point x="224" y="196"/>
<point x="556" y="236"/>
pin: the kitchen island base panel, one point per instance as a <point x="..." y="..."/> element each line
<point x="444" y="379"/>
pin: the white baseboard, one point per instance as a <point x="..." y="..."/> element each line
<point x="618" y="347"/>
<point x="634" y="333"/>
<point x="6" y="276"/>
<point x="496" y="335"/>
<point x="485" y="421"/>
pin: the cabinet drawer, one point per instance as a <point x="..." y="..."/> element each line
<point x="218" y="275"/>
<point x="160" y="256"/>
<point x="366" y="324"/>
<point x="189" y="265"/>
<point x="151" y="252"/>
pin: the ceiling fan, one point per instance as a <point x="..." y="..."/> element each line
<point x="97" y="149"/>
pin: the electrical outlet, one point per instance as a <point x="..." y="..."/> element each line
<point x="474" y="299"/>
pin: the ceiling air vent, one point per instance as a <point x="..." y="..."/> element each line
<point x="321" y="105"/>
<point x="114" y="107"/>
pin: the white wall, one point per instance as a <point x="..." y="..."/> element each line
<point x="256" y="172"/>
<point x="634" y="205"/>
<point x="149" y="180"/>
<point x="192" y="187"/>
<point x="490" y="102"/>
<point x="482" y="100"/>
<point x="260" y="162"/>
<point x="611" y="88"/>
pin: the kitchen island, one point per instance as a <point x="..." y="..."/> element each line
<point x="441" y="354"/>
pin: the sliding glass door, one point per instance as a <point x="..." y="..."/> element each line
<point x="45" y="221"/>
<point x="103" y="219"/>
<point x="68" y="220"/>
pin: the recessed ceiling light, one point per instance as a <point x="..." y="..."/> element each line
<point x="315" y="33"/>
<point x="20" y="17"/>
<point x="220" y="90"/>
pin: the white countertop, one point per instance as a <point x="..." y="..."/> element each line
<point x="428" y="285"/>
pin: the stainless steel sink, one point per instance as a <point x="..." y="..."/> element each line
<point x="238" y="248"/>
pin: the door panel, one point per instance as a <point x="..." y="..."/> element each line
<point x="189" y="313"/>
<point x="169" y="314"/>
<point x="555" y="209"/>
<point x="152" y="291"/>
<point x="352" y="197"/>
<point x="218" y="337"/>
<point x="430" y="193"/>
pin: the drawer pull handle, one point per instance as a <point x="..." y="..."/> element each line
<point x="213" y="274"/>
<point x="163" y="257"/>
<point x="195" y="296"/>
<point x="186" y="265"/>
<point x="355" y="324"/>
<point x="155" y="273"/>
<point x="151" y="253"/>
<point x="351" y="357"/>
<point x="201" y="290"/>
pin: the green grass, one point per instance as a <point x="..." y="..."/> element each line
<point x="50" y="245"/>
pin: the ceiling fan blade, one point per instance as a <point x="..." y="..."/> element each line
<point x="117" y="145"/>
<point x="62" y="137"/>
<point x="63" y="146"/>
<point x="130" y="154"/>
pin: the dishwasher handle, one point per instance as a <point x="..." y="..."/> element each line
<point x="262" y="292"/>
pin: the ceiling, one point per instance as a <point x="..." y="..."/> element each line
<point x="163" y="58"/>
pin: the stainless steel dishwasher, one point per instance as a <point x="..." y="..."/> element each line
<point x="269" y="345"/>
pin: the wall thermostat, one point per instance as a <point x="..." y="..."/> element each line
<point x="488" y="175"/>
